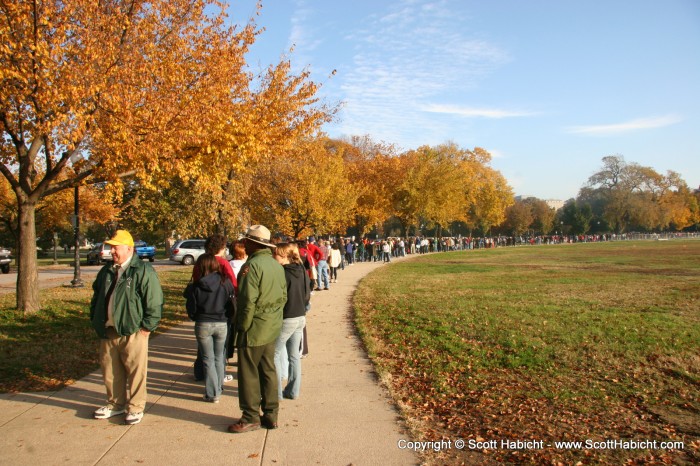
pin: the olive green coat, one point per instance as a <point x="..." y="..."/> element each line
<point x="262" y="293"/>
<point x="138" y="299"/>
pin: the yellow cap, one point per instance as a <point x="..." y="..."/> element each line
<point x="121" y="237"/>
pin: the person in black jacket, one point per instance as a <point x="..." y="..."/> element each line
<point x="298" y="295"/>
<point x="209" y="305"/>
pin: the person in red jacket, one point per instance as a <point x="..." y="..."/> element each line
<point x="316" y="253"/>
<point x="216" y="245"/>
<point x="309" y="262"/>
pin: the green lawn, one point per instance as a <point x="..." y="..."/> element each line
<point x="553" y="343"/>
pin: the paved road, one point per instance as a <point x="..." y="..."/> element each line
<point x="62" y="275"/>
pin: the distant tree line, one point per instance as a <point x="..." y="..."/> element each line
<point x="620" y="198"/>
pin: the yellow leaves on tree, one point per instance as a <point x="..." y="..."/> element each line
<point x="442" y="184"/>
<point x="154" y="89"/>
<point x="370" y="170"/>
<point x="302" y="192"/>
<point x="631" y="194"/>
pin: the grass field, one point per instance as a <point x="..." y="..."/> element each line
<point x="597" y="341"/>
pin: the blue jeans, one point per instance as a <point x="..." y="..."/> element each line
<point x="289" y="339"/>
<point x="322" y="274"/>
<point x="211" y="342"/>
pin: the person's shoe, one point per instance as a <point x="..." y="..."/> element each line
<point x="106" y="412"/>
<point x="210" y="400"/>
<point x="228" y="378"/>
<point x="133" y="418"/>
<point x="241" y="427"/>
<point x="268" y="423"/>
<point x="327" y="289"/>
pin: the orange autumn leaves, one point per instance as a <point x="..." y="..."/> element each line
<point x="143" y="92"/>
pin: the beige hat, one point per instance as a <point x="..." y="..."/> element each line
<point x="260" y="235"/>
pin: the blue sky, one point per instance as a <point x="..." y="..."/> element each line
<point x="548" y="87"/>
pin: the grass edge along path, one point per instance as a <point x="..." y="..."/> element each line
<point x="568" y="343"/>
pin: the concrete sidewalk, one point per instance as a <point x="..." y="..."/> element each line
<point x="342" y="417"/>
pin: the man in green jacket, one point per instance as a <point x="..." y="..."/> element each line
<point x="262" y="294"/>
<point x="126" y="306"/>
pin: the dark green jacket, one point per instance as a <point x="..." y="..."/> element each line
<point x="138" y="299"/>
<point x="262" y="293"/>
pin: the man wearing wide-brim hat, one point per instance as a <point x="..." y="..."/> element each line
<point x="262" y="294"/>
<point x="126" y="307"/>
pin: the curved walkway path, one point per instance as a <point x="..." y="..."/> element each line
<point x="343" y="416"/>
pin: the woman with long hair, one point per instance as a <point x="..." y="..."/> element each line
<point x="334" y="261"/>
<point x="209" y="305"/>
<point x="239" y="257"/>
<point x="298" y="295"/>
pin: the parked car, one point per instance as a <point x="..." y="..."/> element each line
<point x="99" y="254"/>
<point x="187" y="251"/>
<point x="145" y="251"/>
<point x="5" y="259"/>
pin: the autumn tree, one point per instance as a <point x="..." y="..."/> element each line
<point x="629" y="195"/>
<point x="303" y="191"/>
<point x="8" y="215"/>
<point x="488" y="192"/>
<point x="449" y="174"/>
<point x="371" y="169"/>
<point x="444" y="184"/>
<point x="55" y="212"/>
<point x="543" y="216"/>
<point x="678" y="208"/>
<point x="155" y="90"/>
<point x="406" y="195"/>
<point x="518" y="218"/>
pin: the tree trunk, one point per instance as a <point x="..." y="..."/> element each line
<point x="27" y="273"/>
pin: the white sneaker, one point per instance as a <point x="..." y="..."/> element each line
<point x="228" y="378"/>
<point x="106" y="412"/>
<point x="133" y="418"/>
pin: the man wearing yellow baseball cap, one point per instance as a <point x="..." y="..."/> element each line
<point x="126" y="306"/>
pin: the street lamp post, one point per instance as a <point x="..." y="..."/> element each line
<point x="77" y="281"/>
<point x="55" y="245"/>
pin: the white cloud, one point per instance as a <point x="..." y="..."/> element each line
<point x="496" y="154"/>
<point x="474" y="112"/>
<point x="632" y="125"/>
<point x="411" y="53"/>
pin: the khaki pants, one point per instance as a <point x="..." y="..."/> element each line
<point x="124" y="362"/>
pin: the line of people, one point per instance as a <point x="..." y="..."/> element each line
<point x="255" y="303"/>
<point x="265" y="322"/>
